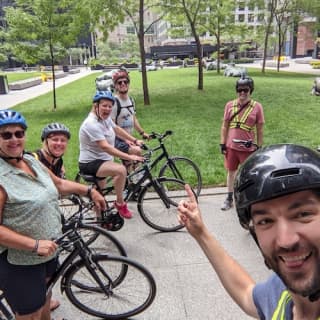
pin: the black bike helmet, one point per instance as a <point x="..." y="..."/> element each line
<point x="12" y="117"/>
<point x="272" y="172"/>
<point x="245" y="81"/>
<point x="55" y="128"/>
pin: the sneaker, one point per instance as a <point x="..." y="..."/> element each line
<point x="228" y="204"/>
<point x="123" y="210"/>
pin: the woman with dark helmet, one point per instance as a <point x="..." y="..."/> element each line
<point x="243" y="120"/>
<point x="277" y="197"/>
<point x="97" y="137"/>
<point x="55" y="137"/>
<point x="29" y="220"/>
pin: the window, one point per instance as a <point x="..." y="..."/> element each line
<point x="260" y="17"/>
<point x="242" y="6"/>
<point x="130" y="30"/>
<point x="241" y="17"/>
<point x="250" y="17"/>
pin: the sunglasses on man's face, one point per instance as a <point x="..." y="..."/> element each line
<point x="7" y="135"/>
<point x="121" y="82"/>
<point x="245" y="90"/>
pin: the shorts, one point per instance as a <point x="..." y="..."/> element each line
<point x="91" y="168"/>
<point x="121" y="145"/>
<point x="233" y="158"/>
<point x="24" y="286"/>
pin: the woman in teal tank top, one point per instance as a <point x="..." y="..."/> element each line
<point x="29" y="218"/>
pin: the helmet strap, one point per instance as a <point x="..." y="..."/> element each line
<point x="19" y="158"/>
<point x="50" y="154"/>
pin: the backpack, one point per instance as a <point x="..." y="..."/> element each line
<point x="119" y="108"/>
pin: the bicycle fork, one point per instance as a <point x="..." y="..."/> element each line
<point x="93" y="268"/>
<point x="162" y="192"/>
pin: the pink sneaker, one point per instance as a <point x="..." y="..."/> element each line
<point x="123" y="210"/>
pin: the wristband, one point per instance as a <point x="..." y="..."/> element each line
<point x="89" y="192"/>
<point x="36" y="246"/>
<point x="141" y="133"/>
<point x="135" y="141"/>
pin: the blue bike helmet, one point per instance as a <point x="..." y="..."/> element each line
<point x="103" y="95"/>
<point x="245" y="81"/>
<point x="272" y="172"/>
<point x="55" y="128"/>
<point x="12" y="117"/>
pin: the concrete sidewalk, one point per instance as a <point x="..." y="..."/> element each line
<point x="300" y="65"/>
<point x="187" y="286"/>
<point x="15" y="97"/>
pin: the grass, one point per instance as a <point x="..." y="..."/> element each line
<point x="17" y="76"/>
<point x="194" y="116"/>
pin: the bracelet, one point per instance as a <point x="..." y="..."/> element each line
<point x="89" y="191"/>
<point x="36" y="246"/>
<point x="135" y="141"/>
<point x="141" y="133"/>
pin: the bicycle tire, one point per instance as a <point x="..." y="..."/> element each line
<point x="159" y="213"/>
<point x="137" y="284"/>
<point x="68" y="206"/>
<point x="101" y="240"/>
<point x="184" y="169"/>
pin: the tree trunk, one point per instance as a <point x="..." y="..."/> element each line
<point x="53" y="78"/>
<point x="146" y="97"/>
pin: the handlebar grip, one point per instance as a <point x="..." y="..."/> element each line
<point x="144" y="147"/>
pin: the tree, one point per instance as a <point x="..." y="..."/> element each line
<point x="191" y="12"/>
<point x="42" y="29"/>
<point x="137" y="16"/>
<point x="219" y="21"/>
<point x="135" y="11"/>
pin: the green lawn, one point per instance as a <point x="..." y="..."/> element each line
<point x="17" y="76"/>
<point x="194" y="116"/>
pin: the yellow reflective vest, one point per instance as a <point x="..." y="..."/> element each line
<point x="238" y="122"/>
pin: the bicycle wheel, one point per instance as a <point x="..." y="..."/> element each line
<point x="69" y="205"/>
<point x="101" y="241"/>
<point x="184" y="169"/>
<point x="127" y="295"/>
<point x="158" y="202"/>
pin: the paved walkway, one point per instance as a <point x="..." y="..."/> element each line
<point x="15" y="97"/>
<point x="187" y="286"/>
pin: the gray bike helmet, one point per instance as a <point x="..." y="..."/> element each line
<point x="55" y="128"/>
<point x="245" y="81"/>
<point x="272" y="172"/>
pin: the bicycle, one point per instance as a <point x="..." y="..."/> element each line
<point x="246" y="143"/>
<point x="104" y="286"/>
<point x="157" y="196"/>
<point x="178" y="167"/>
<point x="99" y="239"/>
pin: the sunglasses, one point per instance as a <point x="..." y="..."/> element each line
<point x="245" y="90"/>
<point x="122" y="82"/>
<point x="7" y="135"/>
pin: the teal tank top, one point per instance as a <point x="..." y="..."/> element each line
<point x="31" y="208"/>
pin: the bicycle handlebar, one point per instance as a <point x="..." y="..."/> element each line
<point x="159" y="136"/>
<point x="247" y="143"/>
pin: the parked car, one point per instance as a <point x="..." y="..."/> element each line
<point x="233" y="71"/>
